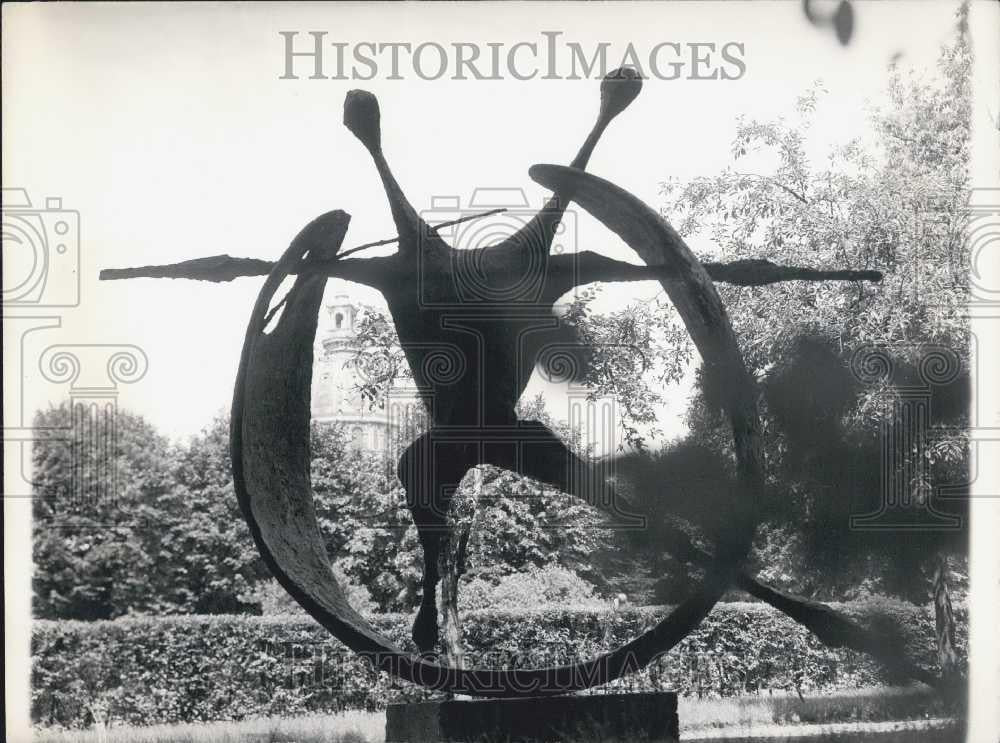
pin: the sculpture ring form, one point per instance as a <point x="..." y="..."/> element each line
<point x="270" y="427"/>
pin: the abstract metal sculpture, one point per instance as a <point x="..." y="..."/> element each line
<point x="467" y="321"/>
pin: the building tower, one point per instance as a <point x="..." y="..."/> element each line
<point x="334" y="396"/>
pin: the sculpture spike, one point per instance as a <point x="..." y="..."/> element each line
<point x="363" y="119"/>
<point x="618" y="89"/>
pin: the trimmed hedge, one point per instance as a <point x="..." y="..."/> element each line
<point x="201" y="668"/>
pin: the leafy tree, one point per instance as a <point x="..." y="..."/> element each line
<point x="522" y="523"/>
<point x="275" y="600"/>
<point x="218" y="562"/>
<point x="173" y="539"/>
<point x="552" y="585"/>
<point x="101" y="487"/>
<point x="824" y="469"/>
<point x="897" y="207"/>
<point x="363" y="517"/>
<point x="895" y="204"/>
<point x="360" y="510"/>
<point x="632" y="354"/>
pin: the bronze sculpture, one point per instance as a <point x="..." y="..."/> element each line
<point x="477" y="310"/>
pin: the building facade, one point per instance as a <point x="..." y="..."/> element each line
<point x="335" y="396"/>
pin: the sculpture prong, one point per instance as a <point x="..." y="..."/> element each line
<point x="618" y="89"/>
<point x="363" y="118"/>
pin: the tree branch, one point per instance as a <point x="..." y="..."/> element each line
<point x="775" y="182"/>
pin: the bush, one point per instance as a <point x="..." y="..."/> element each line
<point x="146" y="670"/>
<point x="274" y="600"/>
<point x="545" y="586"/>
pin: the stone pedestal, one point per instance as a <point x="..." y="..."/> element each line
<point x="604" y="717"/>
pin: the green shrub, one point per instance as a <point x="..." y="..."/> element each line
<point x="549" y="585"/>
<point x="273" y="600"/>
<point x="147" y="670"/>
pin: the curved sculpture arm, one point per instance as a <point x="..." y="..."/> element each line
<point x="271" y="461"/>
<point x="692" y="292"/>
<point x="270" y="455"/>
<point x="621" y="212"/>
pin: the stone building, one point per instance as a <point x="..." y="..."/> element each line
<point x="335" y="398"/>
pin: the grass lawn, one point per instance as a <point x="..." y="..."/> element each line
<point x="858" y="715"/>
<point x="853" y="705"/>
<point x="348" y="727"/>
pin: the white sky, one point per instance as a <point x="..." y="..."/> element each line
<point x="169" y="130"/>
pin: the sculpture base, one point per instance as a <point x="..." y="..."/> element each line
<point x="626" y="717"/>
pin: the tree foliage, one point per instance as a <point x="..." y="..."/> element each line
<point x="170" y="539"/>
<point x="895" y="205"/>
<point x="98" y="503"/>
<point x="173" y="541"/>
<point x="895" y="202"/>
